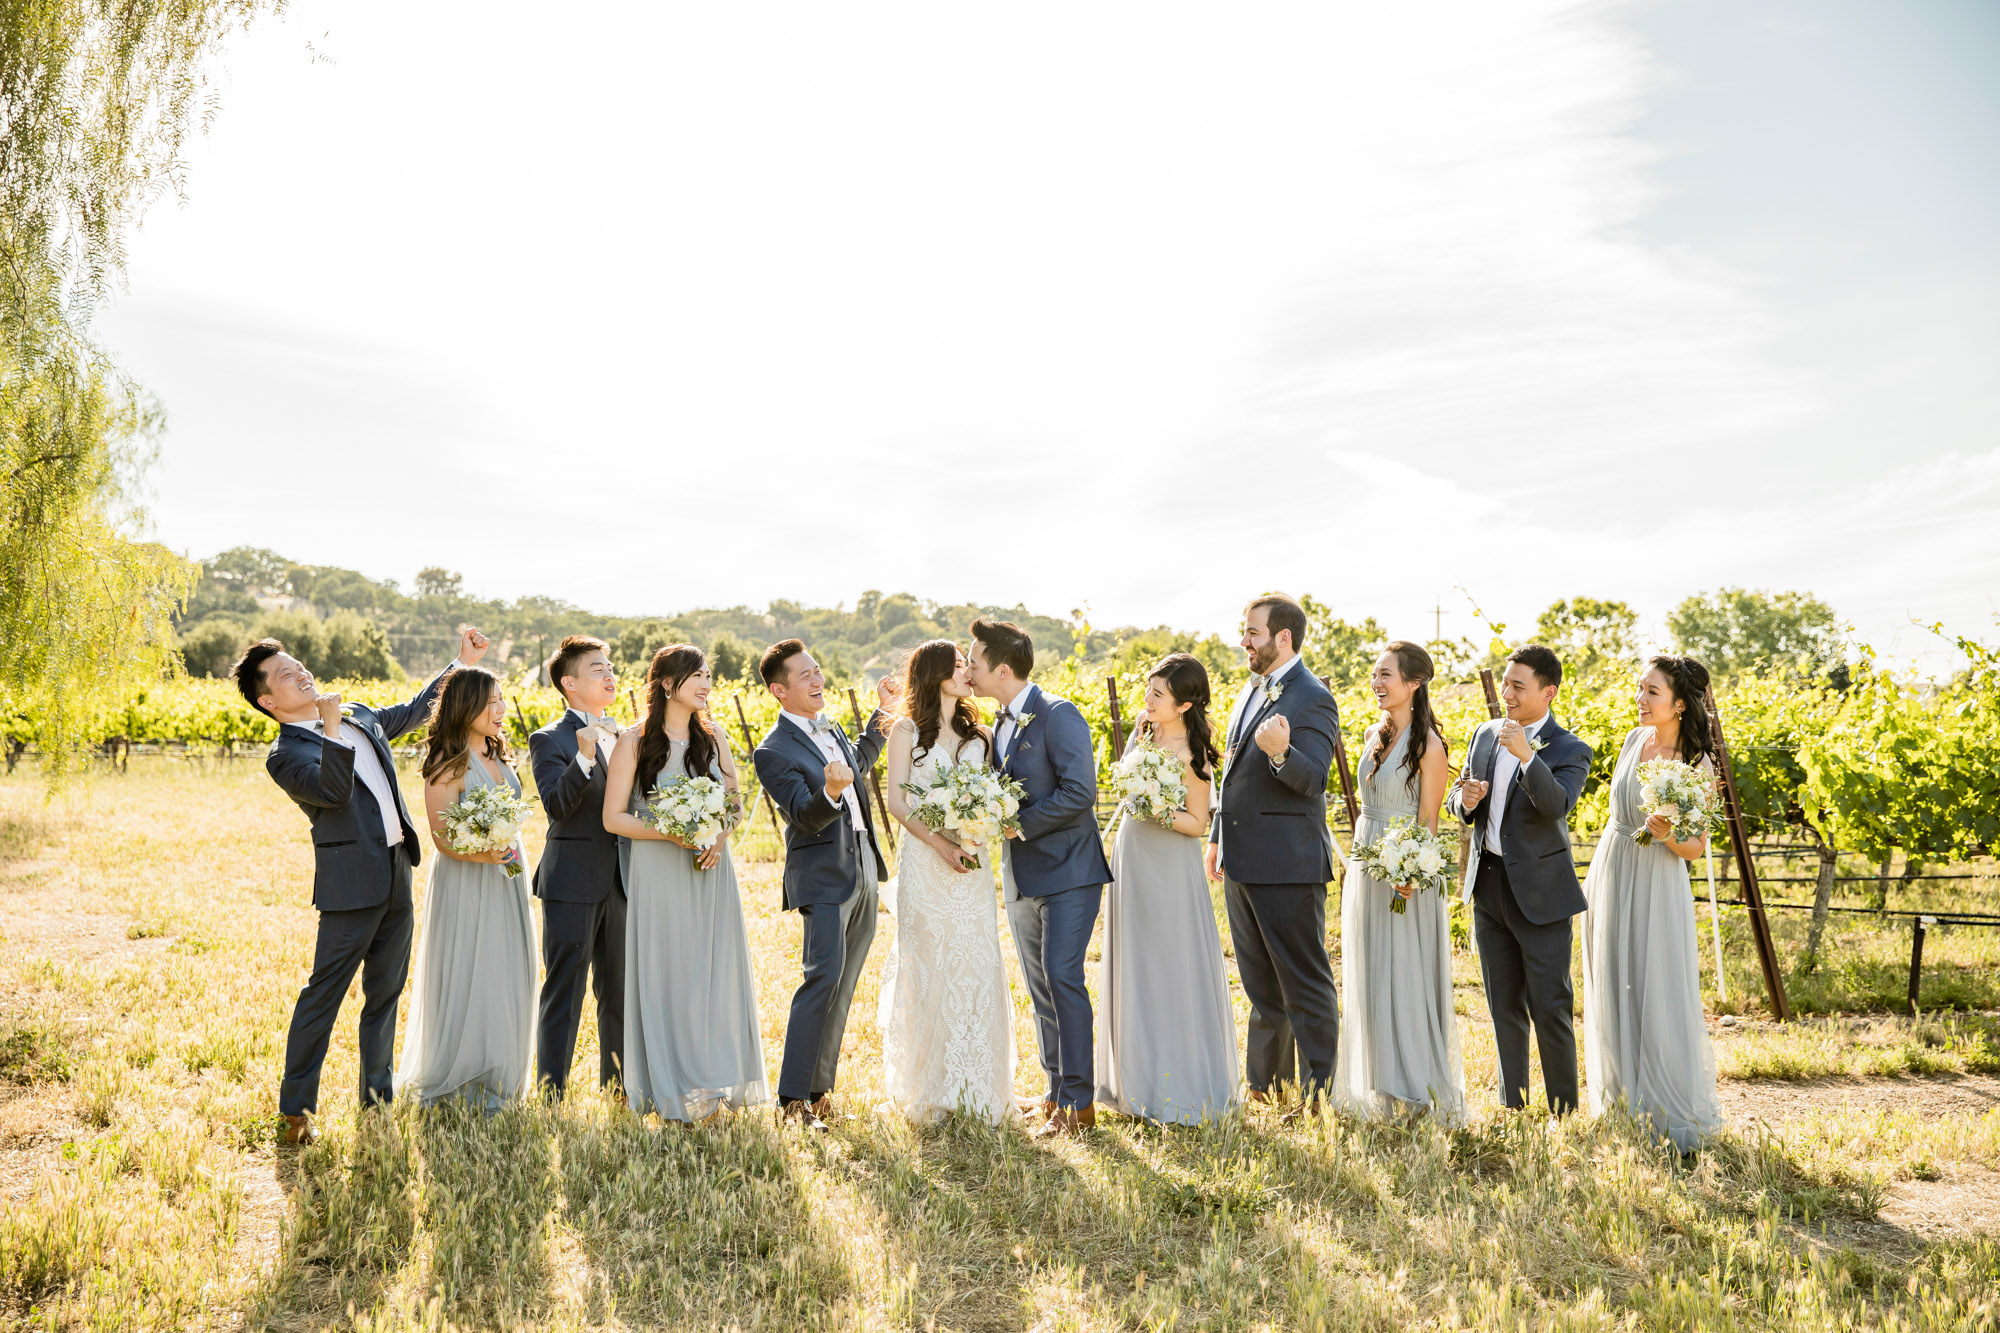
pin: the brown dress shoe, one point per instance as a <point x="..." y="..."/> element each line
<point x="1035" y="1108"/>
<point x="1297" y="1113"/>
<point x="802" y="1112"/>
<point x="300" y="1129"/>
<point x="822" y="1106"/>
<point x="1068" y="1121"/>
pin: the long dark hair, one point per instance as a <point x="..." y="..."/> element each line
<point x="1688" y="679"/>
<point x="670" y="668"/>
<point x="1187" y="683"/>
<point x="928" y="667"/>
<point x="465" y="694"/>
<point x="1412" y="663"/>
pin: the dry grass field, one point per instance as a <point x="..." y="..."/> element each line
<point x="156" y="926"/>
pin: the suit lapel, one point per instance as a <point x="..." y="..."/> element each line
<point x="1032" y="699"/>
<point x="804" y="744"/>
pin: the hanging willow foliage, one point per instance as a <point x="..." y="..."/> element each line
<point x="96" y="99"/>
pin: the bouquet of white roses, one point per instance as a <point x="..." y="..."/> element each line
<point x="1151" y="782"/>
<point x="1682" y="793"/>
<point x="1409" y="853"/>
<point x="696" y="810"/>
<point x="969" y="803"/>
<point x="486" y="819"/>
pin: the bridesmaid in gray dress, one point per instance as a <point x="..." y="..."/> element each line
<point x="1166" y="1047"/>
<point x="693" y="1041"/>
<point x="1399" y="1049"/>
<point x="1645" y="1038"/>
<point x="472" y="1014"/>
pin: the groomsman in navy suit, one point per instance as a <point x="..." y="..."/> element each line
<point x="578" y="880"/>
<point x="1054" y="872"/>
<point x="1522" y="884"/>
<point x="833" y="865"/>
<point x="1270" y="847"/>
<point x="333" y="759"/>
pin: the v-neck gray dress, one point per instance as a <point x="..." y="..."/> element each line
<point x="1399" y="1047"/>
<point x="472" y="1010"/>
<point x="693" y="1040"/>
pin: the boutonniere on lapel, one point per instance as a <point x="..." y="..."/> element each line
<point x="1537" y="745"/>
<point x="1274" y="691"/>
<point x="1021" y="722"/>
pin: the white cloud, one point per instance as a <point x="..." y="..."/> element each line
<point x="948" y="296"/>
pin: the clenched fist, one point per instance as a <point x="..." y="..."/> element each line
<point x="329" y="715"/>
<point x="839" y="777"/>
<point x="887" y="689"/>
<point x="472" y="645"/>
<point x="1471" y="791"/>
<point x="1515" y="737"/>
<point x="1274" y="736"/>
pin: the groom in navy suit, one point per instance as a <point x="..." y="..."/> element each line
<point x="334" y="760"/>
<point x="583" y="896"/>
<point x="1270" y="847"/>
<point x="833" y="865"/>
<point x="1054" y="872"/>
<point x="1522" y="884"/>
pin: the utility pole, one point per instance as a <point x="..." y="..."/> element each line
<point x="1437" y="627"/>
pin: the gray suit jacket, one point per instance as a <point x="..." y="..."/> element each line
<point x="1271" y="822"/>
<point x="1534" y="828"/>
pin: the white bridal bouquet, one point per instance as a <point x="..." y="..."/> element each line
<point x="1409" y="854"/>
<point x="487" y="819"/>
<point x="1149" y="780"/>
<point x="1681" y="792"/>
<point x="968" y="803"/>
<point x="695" y="810"/>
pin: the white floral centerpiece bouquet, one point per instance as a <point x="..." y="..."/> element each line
<point x="696" y="810"/>
<point x="1684" y="794"/>
<point x="1151" y="782"/>
<point x="1409" y="853"/>
<point x="970" y="804"/>
<point x="487" y="819"/>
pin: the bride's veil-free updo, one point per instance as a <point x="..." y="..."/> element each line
<point x="929" y="666"/>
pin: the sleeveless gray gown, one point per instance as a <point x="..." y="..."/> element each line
<point x="1166" y="1040"/>
<point x="1399" y="1047"/>
<point x="693" y="1040"/>
<point x="1645" y="1040"/>
<point x="472" y="1010"/>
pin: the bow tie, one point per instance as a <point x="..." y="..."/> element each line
<point x="821" y="725"/>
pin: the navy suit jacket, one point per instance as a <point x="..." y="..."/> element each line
<point x="820" y="859"/>
<point x="1055" y="762"/>
<point x="580" y="860"/>
<point x="1534" y="828"/>
<point x="1271" y="821"/>
<point x="353" y="866"/>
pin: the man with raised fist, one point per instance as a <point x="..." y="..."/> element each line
<point x="333" y="759"/>
<point x="808" y="767"/>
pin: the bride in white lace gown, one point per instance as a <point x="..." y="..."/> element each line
<point x="947" y="1022"/>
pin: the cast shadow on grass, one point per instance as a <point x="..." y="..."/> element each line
<point x="353" y="1220"/>
<point x="694" y="1225"/>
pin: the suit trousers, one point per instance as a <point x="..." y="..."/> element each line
<point x="1052" y="935"/>
<point x="833" y="952"/>
<point x="581" y="941"/>
<point x="1293" y="1036"/>
<point x="375" y="940"/>
<point x="1526" y="970"/>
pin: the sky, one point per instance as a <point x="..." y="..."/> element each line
<point x="1136" y="309"/>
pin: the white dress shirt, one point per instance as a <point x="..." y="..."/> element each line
<point x="588" y="761"/>
<point x="367" y="767"/>
<point x="1007" y="724"/>
<point x="1505" y="766"/>
<point x="830" y="749"/>
<point x="1252" y="699"/>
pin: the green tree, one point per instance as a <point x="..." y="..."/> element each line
<point x="95" y="102"/>
<point x="1734" y="631"/>
<point x="1591" y="636"/>
<point x="1345" y="654"/>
